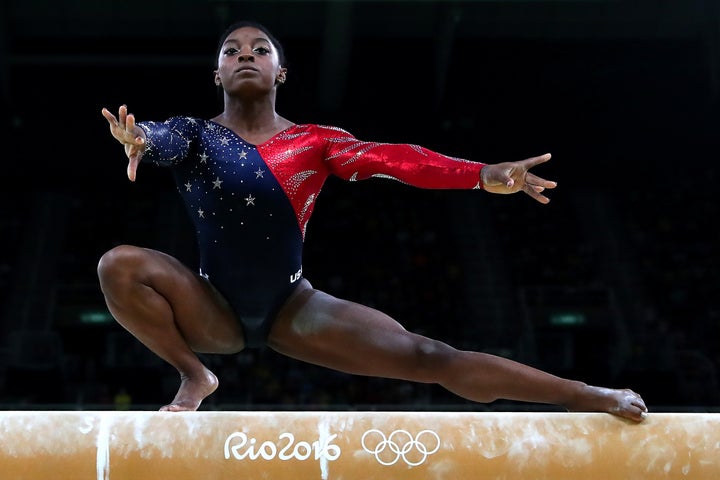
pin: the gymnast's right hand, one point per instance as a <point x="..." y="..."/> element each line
<point x="132" y="137"/>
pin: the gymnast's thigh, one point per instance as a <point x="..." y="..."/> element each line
<point x="199" y="312"/>
<point x="318" y="328"/>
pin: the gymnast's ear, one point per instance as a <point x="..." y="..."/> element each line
<point x="281" y="76"/>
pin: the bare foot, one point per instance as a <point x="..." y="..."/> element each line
<point x="623" y="402"/>
<point x="192" y="391"/>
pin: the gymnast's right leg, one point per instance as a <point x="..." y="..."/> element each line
<point x="174" y="312"/>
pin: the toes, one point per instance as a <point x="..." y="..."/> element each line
<point x="174" y="407"/>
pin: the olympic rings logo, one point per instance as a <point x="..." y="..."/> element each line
<point x="399" y="444"/>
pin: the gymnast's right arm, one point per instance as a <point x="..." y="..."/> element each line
<point x="132" y="137"/>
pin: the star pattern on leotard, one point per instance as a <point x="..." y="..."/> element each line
<point x="251" y="203"/>
<point x="224" y="174"/>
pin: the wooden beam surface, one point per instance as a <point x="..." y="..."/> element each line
<point x="218" y="445"/>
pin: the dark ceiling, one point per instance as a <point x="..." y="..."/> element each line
<point x="504" y="78"/>
<point x="140" y="31"/>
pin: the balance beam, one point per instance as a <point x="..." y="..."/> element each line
<point x="141" y="445"/>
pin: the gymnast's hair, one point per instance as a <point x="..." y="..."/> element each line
<point x="249" y="23"/>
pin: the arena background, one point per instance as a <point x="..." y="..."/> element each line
<point x="615" y="282"/>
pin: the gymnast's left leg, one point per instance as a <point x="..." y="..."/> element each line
<point x="323" y="330"/>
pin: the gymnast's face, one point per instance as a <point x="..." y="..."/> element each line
<point x="248" y="63"/>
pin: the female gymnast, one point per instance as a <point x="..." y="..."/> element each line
<point x="249" y="179"/>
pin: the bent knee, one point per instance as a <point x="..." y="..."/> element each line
<point x="118" y="261"/>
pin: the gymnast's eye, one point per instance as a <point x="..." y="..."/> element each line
<point x="262" y="50"/>
<point x="230" y="51"/>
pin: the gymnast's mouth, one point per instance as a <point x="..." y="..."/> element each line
<point x="246" y="69"/>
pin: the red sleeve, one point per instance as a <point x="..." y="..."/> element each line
<point x="352" y="159"/>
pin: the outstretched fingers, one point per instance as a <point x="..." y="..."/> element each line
<point x="534" y="185"/>
<point x="535" y="181"/>
<point x="535" y="192"/>
<point x="123" y="126"/>
<point x="109" y="117"/>
<point x="532" y="161"/>
<point x="125" y="131"/>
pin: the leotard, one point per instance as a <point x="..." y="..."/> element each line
<point x="251" y="204"/>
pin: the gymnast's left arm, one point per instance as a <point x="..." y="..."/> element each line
<point x="352" y="159"/>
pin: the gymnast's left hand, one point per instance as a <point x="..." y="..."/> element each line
<point x="512" y="177"/>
